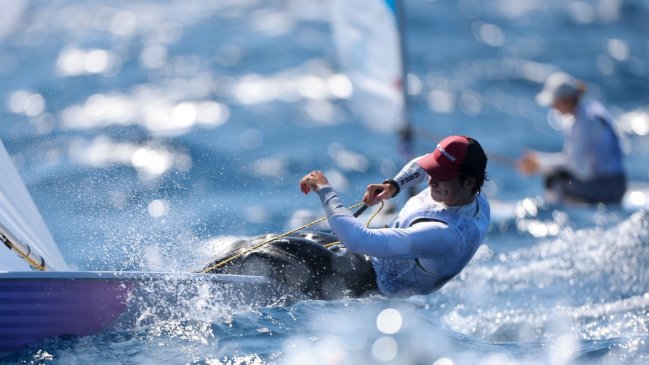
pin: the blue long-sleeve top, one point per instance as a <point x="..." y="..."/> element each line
<point x="591" y="146"/>
<point x="406" y="242"/>
<point x="427" y="244"/>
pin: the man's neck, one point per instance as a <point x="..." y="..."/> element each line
<point x="461" y="199"/>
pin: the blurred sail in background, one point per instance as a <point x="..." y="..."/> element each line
<point x="21" y="219"/>
<point x="366" y="36"/>
<point x="11" y="12"/>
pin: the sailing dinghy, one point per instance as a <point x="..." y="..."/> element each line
<point x="42" y="296"/>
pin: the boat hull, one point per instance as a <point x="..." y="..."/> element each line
<point x="37" y="305"/>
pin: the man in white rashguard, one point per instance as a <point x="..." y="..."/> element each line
<point x="435" y="234"/>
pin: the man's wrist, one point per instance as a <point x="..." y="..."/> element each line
<point x="395" y="185"/>
<point x="318" y="187"/>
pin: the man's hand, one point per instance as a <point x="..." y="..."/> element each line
<point x="312" y="181"/>
<point x="377" y="192"/>
<point x="529" y="163"/>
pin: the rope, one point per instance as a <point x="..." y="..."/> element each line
<point x="223" y="262"/>
<point x="375" y="214"/>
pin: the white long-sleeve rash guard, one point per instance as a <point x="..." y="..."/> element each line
<point x="396" y="243"/>
<point x="413" y="258"/>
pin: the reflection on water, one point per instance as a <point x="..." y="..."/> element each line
<point x="149" y="160"/>
<point x="599" y="273"/>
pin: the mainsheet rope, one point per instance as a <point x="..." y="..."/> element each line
<point x="233" y="257"/>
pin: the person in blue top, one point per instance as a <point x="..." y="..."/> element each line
<point x="590" y="169"/>
<point x="435" y="234"/>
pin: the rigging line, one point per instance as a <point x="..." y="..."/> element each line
<point x="24" y="251"/>
<point x="223" y="262"/>
<point x="375" y="214"/>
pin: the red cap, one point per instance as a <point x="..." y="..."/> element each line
<point x="444" y="163"/>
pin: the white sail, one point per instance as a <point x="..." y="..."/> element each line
<point x="22" y="221"/>
<point x="366" y="37"/>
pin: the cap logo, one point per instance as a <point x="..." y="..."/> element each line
<point x="445" y="153"/>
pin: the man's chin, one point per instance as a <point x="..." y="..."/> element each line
<point x="436" y="197"/>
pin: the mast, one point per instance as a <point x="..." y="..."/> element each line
<point x="405" y="133"/>
<point x="25" y="252"/>
<point x="22" y="229"/>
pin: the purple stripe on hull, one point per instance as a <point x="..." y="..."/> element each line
<point x="32" y="309"/>
<point x="35" y="305"/>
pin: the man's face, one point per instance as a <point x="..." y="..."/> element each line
<point x="449" y="192"/>
<point x="563" y="106"/>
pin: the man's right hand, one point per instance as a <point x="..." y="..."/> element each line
<point x="529" y="163"/>
<point x="377" y="192"/>
<point x="312" y="182"/>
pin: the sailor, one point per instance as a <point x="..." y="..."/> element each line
<point x="436" y="233"/>
<point x="590" y="168"/>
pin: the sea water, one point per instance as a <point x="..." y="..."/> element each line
<point x="152" y="132"/>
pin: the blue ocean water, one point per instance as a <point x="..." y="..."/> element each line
<point x="150" y="132"/>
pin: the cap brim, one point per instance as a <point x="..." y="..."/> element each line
<point x="435" y="170"/>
